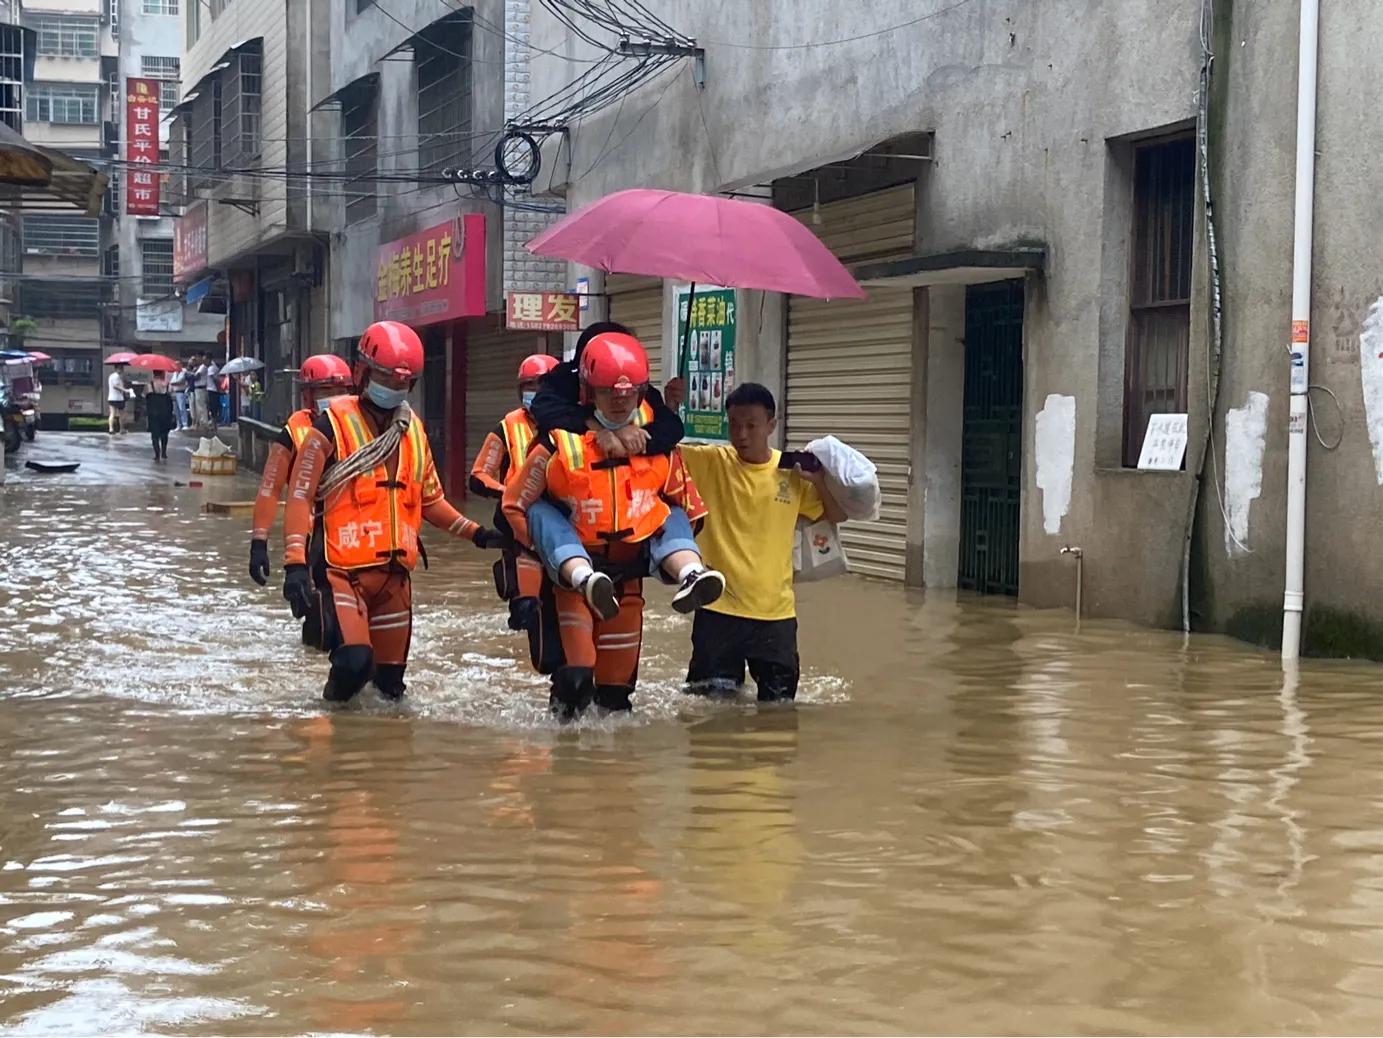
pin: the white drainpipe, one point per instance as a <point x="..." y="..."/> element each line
<point x="1293" y="595"/>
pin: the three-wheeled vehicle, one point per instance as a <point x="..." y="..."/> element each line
<point x="19" y="393"/>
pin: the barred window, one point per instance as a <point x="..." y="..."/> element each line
<point x="52" y="235"/>
<point x="162" y="6"/>
<point x="68" y="103"/>
<point x="110" y="262"/>
<point x="156" y="272"/>
<point x="70" y="299"/>
<point x="240" y="108"/>
<point x="64" y="36"/>
<point x="363" y="5"/>
<point x="359" y="132"/>
<point x="166" y="71"/>
<point x="443" y="55"/>
<point x="1159" y="335"/>
<point x="204" y="137"/>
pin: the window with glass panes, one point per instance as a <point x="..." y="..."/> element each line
<point x="52" y="234"/>
<point x="156" y="273"/>
<point x="162" y="6"/>
<point x="65" y="36"/>
<point x="166" y="71"/>
<point x="53" y="103"/>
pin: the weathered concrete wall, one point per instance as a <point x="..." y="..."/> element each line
<point x="359" y="43"/>
<point x="1022" y="99"/>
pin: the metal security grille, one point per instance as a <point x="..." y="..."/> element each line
<point x="63" y="36"/>
<point x="359" y="132"/>
<point x="156" y="257"/>
<point x="240" y="108"/>
<point x="443" y="55"/>
<point x="67" y="299"/>
<point x="204" y="140"/>
<point x="162" y="6"/>
<point x="62" y="235"/>
<point x="75" y="104"/>
<point x="992" y="438"/>
<point x="637" y="303"/>
<point x="110" y="262"/>
<point x="11" y="76"/>
<point x="1159" y="330"/>
<point x="167" y="71"/>
<point x="492" y="366"/>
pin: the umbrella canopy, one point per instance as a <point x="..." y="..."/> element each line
<point x="155" y="362"/>
<point x="39" y="357"/>
<point x="123" y="357"/>
<point x="240" y="365"/>
<point x="699" y="238"/>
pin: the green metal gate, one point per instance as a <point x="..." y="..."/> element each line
<point x="992" y="438"/>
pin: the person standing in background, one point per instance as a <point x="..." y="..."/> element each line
<point x="199" y="400"/>
<point x="158" y="408"/>
<point x="117" y="391"/>
<point x="213" y="392"/>
<point x="179" y="385"/>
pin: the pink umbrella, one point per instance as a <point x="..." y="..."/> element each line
<point x="155" y="362"/>
<point x="39" y="357"/>
<point x="720" y="241"/>
<point x="123" y="357"/>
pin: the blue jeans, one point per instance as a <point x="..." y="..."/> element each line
<point x="180" y="405"/>
<point x="556" y="541"/>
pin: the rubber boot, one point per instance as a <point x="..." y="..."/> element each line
<point x="389" y="680"/>
<point x="312" y="628"/>
<point x="614" y="698"/>
<point x="572" y="690"/>
<point x="351" y="667"/>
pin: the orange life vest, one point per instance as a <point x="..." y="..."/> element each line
<point x="373" y="519"/>
<point x="519" y="431"/>
<point x="622" y="501"/>
<point x="298" y="425"/>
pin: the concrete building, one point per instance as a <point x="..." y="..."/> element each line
<point x="1017" y="185"/>
<point x="413" y="90"/>
<point x="147" y="315"/>
<point x="66" y="107"/>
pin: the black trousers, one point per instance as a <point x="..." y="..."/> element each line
<point x="723" y="646"/>
<point x="160" y="438"/>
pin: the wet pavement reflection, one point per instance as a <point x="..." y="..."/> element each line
<point x="975" y="819"/>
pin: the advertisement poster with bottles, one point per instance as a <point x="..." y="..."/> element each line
<point x="709" y="367"/>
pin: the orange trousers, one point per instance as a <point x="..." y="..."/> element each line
<point x="610" y="648"/>
<point x="530" y="572"/>
<point x="374" y="608"/>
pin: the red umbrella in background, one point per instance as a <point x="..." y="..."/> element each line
<point x="39" y="357"/>
<point x="720" y="241"/>
<point x="123" y="357"/>
<point x="154" y="362"/>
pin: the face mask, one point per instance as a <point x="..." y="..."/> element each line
<point x="383" y="397"/>
<point x="528" y="398"/>
<point x="612" y="426"/>
<point x="324" y="404"/>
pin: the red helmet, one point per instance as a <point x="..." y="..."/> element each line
<point x="324" y="369"/>
<point x="536" y="366"/>
<point x="393" y="348"/>
<point x="613" y="360"/>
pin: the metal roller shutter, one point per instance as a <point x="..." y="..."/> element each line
<point x="638" y="304"/>
<point x="849" y="368"/>
<point x="492" y="362"/>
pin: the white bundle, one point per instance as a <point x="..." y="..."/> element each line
<point x="852" y="478"/>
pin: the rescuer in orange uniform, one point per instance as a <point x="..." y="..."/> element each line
<point x="615" y="505"/>
<point x="321" y="377"/>
<point x="368" y="463"/>
<point x="518" y="574"/>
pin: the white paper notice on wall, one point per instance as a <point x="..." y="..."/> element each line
<point x="1164" y="444"/>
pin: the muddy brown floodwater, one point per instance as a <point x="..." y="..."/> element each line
<point x="973" y="820"/>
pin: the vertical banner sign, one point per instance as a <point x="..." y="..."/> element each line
<point x="141" y="147"/>
<point x="709" y="366"/>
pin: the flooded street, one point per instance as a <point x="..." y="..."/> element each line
<point x="973" y="820"/>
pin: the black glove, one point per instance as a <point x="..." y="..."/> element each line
<point x="297" y="590"/>
<point x="259" y="561"/>
<point x="487" y="538"/>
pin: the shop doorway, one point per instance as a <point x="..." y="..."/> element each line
<point x="991" y="438"/>
<point x="435" y="393"/>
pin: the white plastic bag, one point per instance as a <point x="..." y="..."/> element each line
<point x="852" y="478"/>
<point x="817" y="552"/>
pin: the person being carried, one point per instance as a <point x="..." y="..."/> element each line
<point x="322" y="377"/>
<point x="518" y="574"/>
<point x="617" y="507"/>
<point x="754" y="504"/>
<point x="368" y="462"/>
<point x="564" y="404"/>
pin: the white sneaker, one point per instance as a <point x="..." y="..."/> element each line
<point x="599" y="590"/>
<point x="699" y="589"/>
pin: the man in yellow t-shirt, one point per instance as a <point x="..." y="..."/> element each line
<point x="754" y="503"/>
